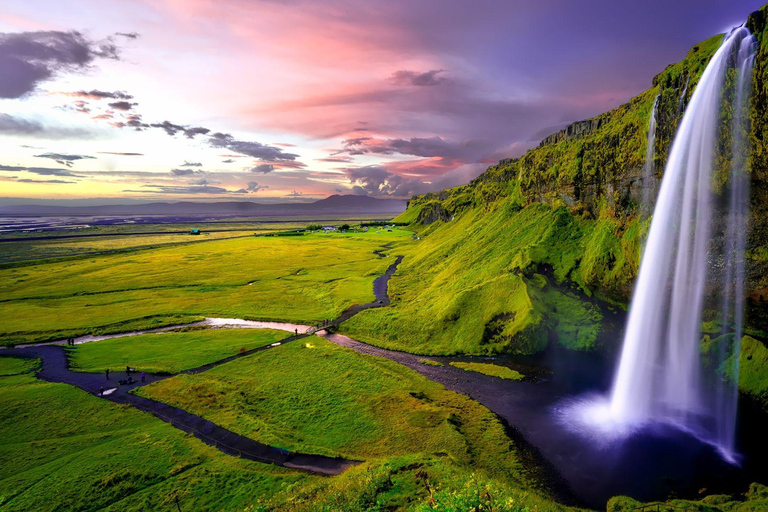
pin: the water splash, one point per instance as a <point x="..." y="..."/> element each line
<point x="659" y="377"/>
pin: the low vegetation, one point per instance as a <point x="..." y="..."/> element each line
<point x="493" y="370"/>
<point x="169" y="352"/>
<point x="756" y="498"/>
<point x="16" y="366"/>
<point x="64" y="449"/>
<point x="301" y="279"/>
<point x="503" y="286"/>
<point x="333" y="401"/>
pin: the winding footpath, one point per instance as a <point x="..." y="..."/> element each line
<point x="55" y="368"/>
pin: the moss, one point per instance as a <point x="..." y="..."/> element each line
<point x="492" y="370"/>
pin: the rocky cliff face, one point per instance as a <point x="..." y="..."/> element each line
<point x="574" y="131"/>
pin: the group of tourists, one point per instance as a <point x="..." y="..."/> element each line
<point x="127" y="381"/>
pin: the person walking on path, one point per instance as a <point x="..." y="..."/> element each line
<point x="127" y="370"/>
<point x="143" y="376"/>
<point x="107" y="372"/>
<point x="101" y="392"/>
<point x="296" y="331"/>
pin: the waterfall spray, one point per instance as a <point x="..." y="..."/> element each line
<point x="659" y="373"/>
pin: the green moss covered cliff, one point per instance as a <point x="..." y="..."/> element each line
<point x="517" y="258"/>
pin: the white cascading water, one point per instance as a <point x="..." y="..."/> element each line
<point x="735" y="245"/>
<point x="659" y="374"/>
<point x="648" y="168"/>
<point x="659" y="378"/>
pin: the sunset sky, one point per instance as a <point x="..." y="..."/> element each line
<point x="108" y="100"/>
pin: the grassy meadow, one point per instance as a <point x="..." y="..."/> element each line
<point x="494" y="370"/>
<point x="315" y="397"/>
<point x="302" y="279"/>
<point x="169" y="352"/>
<point x="16" y="366"/>
<point x="66" y="449"/>
<point x="22" y="250"/>
<point x="63" y="449"/>
<point x="516" y="277"/>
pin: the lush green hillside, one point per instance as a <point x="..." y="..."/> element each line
<point x="505" y="262"/>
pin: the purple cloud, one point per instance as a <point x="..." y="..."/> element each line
<point x="122" y="105"/>
<point x="414" y="78"/>
<point x="263" y="168"/>
<point x="30" y="58"/>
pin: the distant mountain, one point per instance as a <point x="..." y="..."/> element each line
<point x="341" y="204"/>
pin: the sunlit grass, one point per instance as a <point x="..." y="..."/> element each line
<point x="169" y="352"/>
<point x="64" y="449"/>
<point x="492" y="370"/>
<point x="302" y="279"/>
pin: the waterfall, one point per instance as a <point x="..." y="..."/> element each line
<point x="681" y="100"/>
<point x="659" y="377"/>
<point x="649" y="186"/>
<point x="735" y="244"/>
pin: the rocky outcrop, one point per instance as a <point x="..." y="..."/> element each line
<point x="574" y="131"/>
<point x="433" y="212"/>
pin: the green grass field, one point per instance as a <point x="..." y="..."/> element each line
<point x="57" y="248"/>
<point x="16" y="366"/>
<point x="301" y="279"/>
<point x="63" y="449"/>
<point x="493" y="370"/>
<point x="483" y="293"/>
<point x="317" y="397"/>
<point x="169" y="352"/>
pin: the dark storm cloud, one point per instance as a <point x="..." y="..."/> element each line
<point x="62" y="159"/>
<point x="60" y="182"/>
<point x="379" y="181"/>
<point x="417" y="146"/>
<point x="263" y="168"/>
<point x="11" y="125"/>
<point x="335" y="159"/>
<point x="95" y="94"/>
<point x="42" y="171"/>
<point x="193" y="189"/>
<point x="30" y="58"/>
<point x="172" y="129"/>
<point x="14" y="125"/>
<point x="254" y="149"/>
<point x="255" y="187"/>
<point x="184" y="172"/>
<point x="122" y="105"/>
<point x="427" y="78"/>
